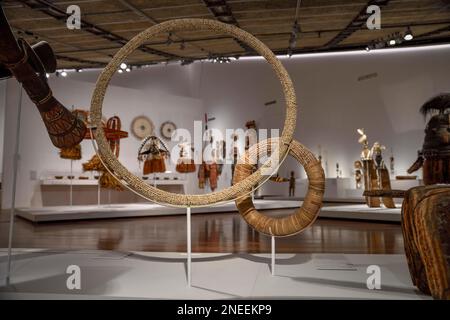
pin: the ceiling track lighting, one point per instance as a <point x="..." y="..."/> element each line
<point x="219" y="59"/>
<point x="392" y="40"/>
<point x="408" y="36"/>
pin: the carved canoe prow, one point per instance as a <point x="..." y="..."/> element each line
<point x="25" y="64"/>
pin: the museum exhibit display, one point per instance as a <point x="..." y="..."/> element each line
<point x="153" y="153"/>
<point x="434" y="158"/>
<point x="224" y="150"/>
<point x="376" y="175"/>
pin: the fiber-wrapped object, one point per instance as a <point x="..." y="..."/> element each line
<point x="426" y="233"/>
<point x="64" y="129"/>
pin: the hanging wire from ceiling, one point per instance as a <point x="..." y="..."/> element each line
<point x="295" y="30"/>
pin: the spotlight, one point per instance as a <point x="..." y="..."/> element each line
<point x="367" y="48"/>
<point x="123" y="66"/>
<point x="128" y="69"/>
<point x="64" y="74"/>
<point x="79" y="70"/>
<point x="408" y="35"/>
<point x="120" y="71"/>
<point x="392" y="42"/>
<point x="47" y="75"/>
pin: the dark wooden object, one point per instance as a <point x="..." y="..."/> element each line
<point x="426" y="232"/>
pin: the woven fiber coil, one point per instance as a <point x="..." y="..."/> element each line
<point x="302" y="217"/>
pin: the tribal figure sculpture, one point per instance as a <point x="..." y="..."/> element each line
<point x="434" y="157"/>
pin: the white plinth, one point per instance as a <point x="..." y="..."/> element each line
<point x="111" y="275"/>
<point x="61" y="213"/>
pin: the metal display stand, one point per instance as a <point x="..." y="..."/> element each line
<point x="71" y="183"/>
<point x="189" y="248"/>
<point x="14" y="187"/>
<point x="98" y="191"/>
<point x="273" y="255"/>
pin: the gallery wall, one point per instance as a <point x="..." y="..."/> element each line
<point x="380" y="91"/>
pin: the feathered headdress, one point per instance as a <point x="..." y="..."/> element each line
<point x="438" y="104"/>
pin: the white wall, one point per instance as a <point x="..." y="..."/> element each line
<point x="332" y="102"/>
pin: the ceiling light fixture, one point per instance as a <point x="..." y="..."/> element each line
<point x="120" y="71"/>
<point x="123" y="66"/>
<point x="408" y="35"/>
<point x="64" y="74"/>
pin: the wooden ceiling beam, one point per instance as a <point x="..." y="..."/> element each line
<point x="52" y="10"/>
<point x="222" y="12"/>
<point x="90" y="63"/>
<point x="356" y="24"/>
<point x="152" y="20"/>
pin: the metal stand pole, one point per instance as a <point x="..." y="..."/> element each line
<point x="71" y="179"/>
<point x="14" y="185"/>
<point x="98" y="191"/>
<point x="189" y="257"/>
<point x="273" y="255"/>
<point x="71" y="182"/>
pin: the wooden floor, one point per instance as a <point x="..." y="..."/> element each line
<point x="222" y="232"/>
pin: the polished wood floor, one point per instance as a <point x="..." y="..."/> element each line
<point x="222" y="232"/>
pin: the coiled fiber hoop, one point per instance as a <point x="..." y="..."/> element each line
<point x="302" y="217"/>
<point x="135" y="183"/>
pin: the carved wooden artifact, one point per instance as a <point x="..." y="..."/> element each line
<point x="426" y="232"/>
<point x="25" y="64"/>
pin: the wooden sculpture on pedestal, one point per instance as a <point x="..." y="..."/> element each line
<point x="376" y="175"/>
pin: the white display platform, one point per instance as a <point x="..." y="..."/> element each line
<point x="41" y="274"/>
<point x="362" y="212"/>
<point x="60" y="213"/>
<point x="343" y="190"/>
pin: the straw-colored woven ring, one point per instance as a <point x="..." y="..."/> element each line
<point x="138" y="185"/>
<point x="304" y="216"/>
